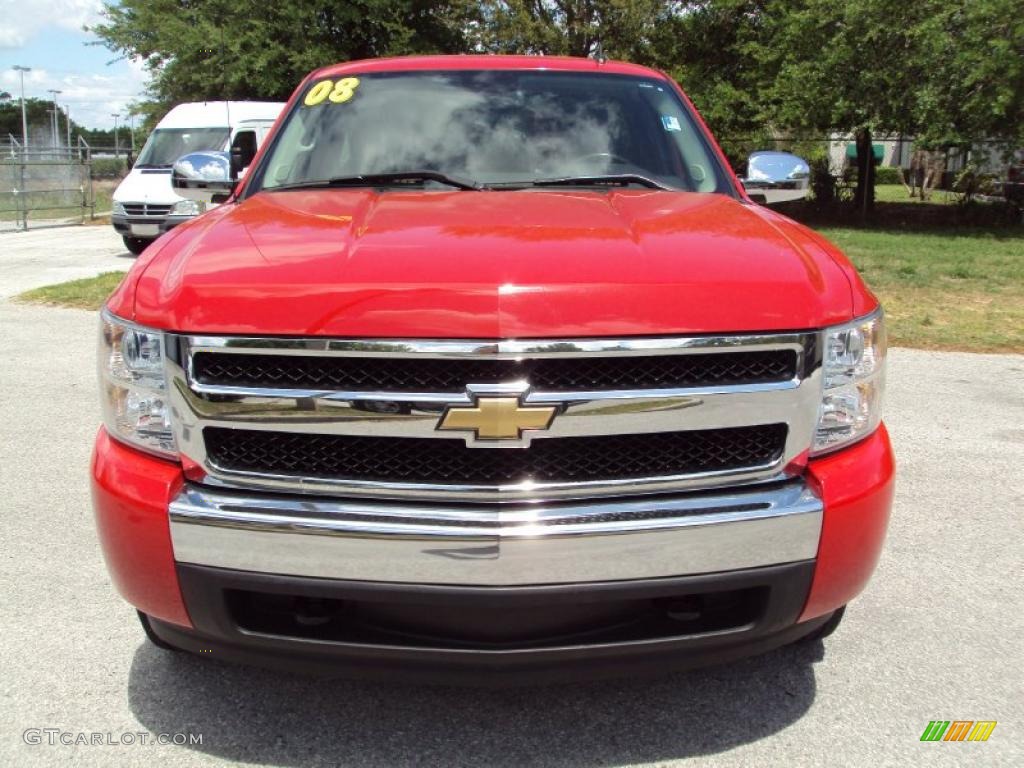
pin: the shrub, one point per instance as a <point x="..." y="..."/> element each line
<point x="823" y="183"/>
<point x="109" y="168"/>
<point x="888" y="175"/>
<point x="970" y="182"/>
<point x="884" y="174"/>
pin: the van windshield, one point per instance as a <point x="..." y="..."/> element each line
<point x="490" y="129"/>
<point x="165" y="145"/>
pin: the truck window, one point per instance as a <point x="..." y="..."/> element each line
<point x="492" y="127"/>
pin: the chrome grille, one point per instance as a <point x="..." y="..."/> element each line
<point x="146" y="209"/>
<point x="359" y="417"/>
<point x="438" y="375"/>
<point x="558" y="460"/>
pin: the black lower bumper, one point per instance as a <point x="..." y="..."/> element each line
<point x="489" y="635"/>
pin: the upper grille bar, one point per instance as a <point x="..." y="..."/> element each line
<point x="398" y="374"/>
<point x="506" y="349"/>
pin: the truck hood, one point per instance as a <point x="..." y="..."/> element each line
<point x="512" y="264"/>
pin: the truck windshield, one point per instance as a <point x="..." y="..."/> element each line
<point x="165" y="145"/>
<point x="490" y="129"/>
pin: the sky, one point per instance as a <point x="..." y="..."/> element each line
<point x="47" y="36"/>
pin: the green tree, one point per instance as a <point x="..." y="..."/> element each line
<point x="37" y="113"/>
<point x="852" y="67"/>
<point x="624" y="28"/>
<point x="947" y="71"/>
<point x="975" y="90"/>
<point x="712" y="48"/>
<point x="253" y="49"/>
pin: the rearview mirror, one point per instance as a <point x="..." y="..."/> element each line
<point x="776" y="177"/>
<point x="203" y="176"/>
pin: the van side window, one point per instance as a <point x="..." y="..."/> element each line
<point x="243" y="149"/>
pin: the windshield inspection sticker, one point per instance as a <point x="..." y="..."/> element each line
<point x="670" y="123"/>
<point x="335" y="92"/>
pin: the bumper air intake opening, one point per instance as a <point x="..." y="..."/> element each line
<point x="495" y="626"/>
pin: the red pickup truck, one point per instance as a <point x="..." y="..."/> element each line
<point x="489" y="368"/>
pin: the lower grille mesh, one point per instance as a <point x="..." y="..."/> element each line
<point x="449" y="461"/>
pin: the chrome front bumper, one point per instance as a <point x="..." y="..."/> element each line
<point x="497" y="545"/>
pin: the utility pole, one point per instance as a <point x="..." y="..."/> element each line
<point x="67" y="114"/>
<point x="56" y="111"/>
<point x="131" y="135"/>
<point x="117" y="145"/>
<point x="24" y="123"/>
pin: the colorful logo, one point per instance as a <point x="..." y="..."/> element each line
<point x="958" y="730"/>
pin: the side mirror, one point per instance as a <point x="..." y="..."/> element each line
<point x="776" y="177"/>
<point x="203" y="176"/>
<point x="243" y="150"/>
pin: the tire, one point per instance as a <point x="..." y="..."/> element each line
<point x="135" y="244"/>
<point x="151" y="635"/>
<point x="825" y="629"/>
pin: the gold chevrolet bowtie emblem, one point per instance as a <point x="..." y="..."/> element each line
<point x="498" y="418"/>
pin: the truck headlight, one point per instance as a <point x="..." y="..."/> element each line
<point x="133" y="386"/>
<point x="117" y="209"/>
<point x="853" y="372"/>
<point x="185" y="208"/>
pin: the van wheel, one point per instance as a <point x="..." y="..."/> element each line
<point x="153" y="637"/>
<point x="135" y="244"/>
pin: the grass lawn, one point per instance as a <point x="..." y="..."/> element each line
<point x="103" y="192"/>
<point x="944" y="289"/>
<point x="897" y="193"/>
<point x="89" y="293"/>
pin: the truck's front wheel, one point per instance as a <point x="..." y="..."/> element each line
<point x="135" y="244"/>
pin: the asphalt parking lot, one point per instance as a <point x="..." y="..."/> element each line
<point x="937" y="635"/>
<point x="48" y="256"/>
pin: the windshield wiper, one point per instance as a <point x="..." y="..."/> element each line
<point x="614" y="179"/>
<point x="380" y="179"/>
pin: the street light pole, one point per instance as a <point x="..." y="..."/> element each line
<point x="56" y="111"/>
<point x="24" y="123"/>
<point x="117" y="145"/>
<point x="67" y="114"/>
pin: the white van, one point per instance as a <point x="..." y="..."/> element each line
<point x="145" y="206"/>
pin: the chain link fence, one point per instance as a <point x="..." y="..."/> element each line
<point x="45" y="187"/>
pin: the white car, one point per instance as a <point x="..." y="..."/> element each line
<point x="145" y="206"/>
